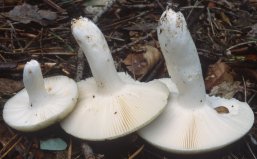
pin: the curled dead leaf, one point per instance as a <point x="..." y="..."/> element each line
<point x="26" y="13"/>
<point x="226" y="89"/>
<point x="218" y="73"/>
<point x="222" y="110"/>
<point x="140" y="64"/>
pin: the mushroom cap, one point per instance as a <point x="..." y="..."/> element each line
<point x="104" y="116"/>
<point x="58" y="103"/>
<point x="182" y="130"/>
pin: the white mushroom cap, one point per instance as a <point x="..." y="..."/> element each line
<point x="110" y="105"/>
<point x="191" y="123"/>
<point x="187" y="131"/>
<point x="42" y="102"/>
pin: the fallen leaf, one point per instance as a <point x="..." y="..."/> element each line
<point x="26" y="13"/>
<point x="53" y="144"/>
<point x="218" y="73"/>
<point x="225" y="18"/>
<point x="8" y="86"/>
<point x="222" y="110"/>
<point x="140" y="64"/>
<point x="226" y="89"/>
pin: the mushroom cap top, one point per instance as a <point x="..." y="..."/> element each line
<point x="61" y="97"/>
<point x="188" y="131"/>
<point x="104" y="116"/>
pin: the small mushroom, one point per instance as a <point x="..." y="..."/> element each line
<point x="43" y="101"/>
<point x="192" y="123"/>
<point x="110" y="104"/>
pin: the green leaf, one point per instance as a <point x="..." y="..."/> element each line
<point x="53" y="144"/>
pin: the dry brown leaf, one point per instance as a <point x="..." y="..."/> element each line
<point x="26" y="13"/>
<point x="140" y="64"/>
<point x="226" y="89"/>
<point x="8" y="86"/>
<point x="222" y="110"/>
<point x="225" y="18"/>
<point x="218" y="73"/>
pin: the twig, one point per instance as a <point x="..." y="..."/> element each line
<point x="69" y="150"/>
<point x="125" y="20"/>
<point x="244" y="89"/>
<point x="190" y="7"/>
<point x="252" y="97"/>
<point x="13" y="32"/>
<point x="196" y="4"/>
<point x="240" y="44"/>
<point x="2" y="57"/>
<point x="210" y="20"/>
<point x="161" y="6"/>
<point x="133" y="42"/>
<point x="137" y="152"/>
<point x="52" y="4"/>
<point x="4" y="151"/>
<point x="235" y="157"/>
<point x="140" y="6"/>
<point x="251" y="151"/>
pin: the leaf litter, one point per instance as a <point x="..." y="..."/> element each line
<point x="224" y="33"/>
<point x="27" y="13"/>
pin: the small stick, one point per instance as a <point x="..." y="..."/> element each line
<point x="196" y="4"/>
<point x="161" y="6"/>
<point x="133" y="42"/>
<point x="252" y="97"/>
<point x="136" y="153"/>
<point x="210" y="21"/>
<point x="140" y="6"/>
<point x="69" y="150"/>
<point x="244" y="43"/>
<point x="251" y="151"/>
<point x="54" y="5"/>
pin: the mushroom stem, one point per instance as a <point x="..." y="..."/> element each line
<point x="92" y="42"/>
<point x="34" y="82"/>
<point x="181" y="59"/>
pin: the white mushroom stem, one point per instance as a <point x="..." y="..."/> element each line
<point x="98" y="55"/>
<point x="34" y="82"/>
<point x="181" y="59"/>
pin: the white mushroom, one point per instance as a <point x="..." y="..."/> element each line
<point x="43" y="101"/>
<point x="110" y="105"/>
<point x="193" y="121"/>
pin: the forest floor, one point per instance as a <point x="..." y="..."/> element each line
<point x="225" y="34"/>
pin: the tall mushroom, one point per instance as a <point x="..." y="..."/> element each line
<point x="42" y="102"/>
<point x="191" y="124"/>
<point x="110" y="104"/>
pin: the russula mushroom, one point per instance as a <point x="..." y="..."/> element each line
<point x="193" y="121"/>
<point x="42" y="102"/>
<point x="110" y="104"/>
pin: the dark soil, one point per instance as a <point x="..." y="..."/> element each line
<point x="224" y="31"/>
